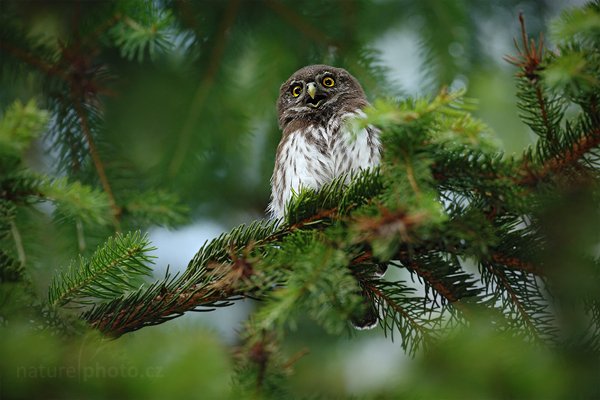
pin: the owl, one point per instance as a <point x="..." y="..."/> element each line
<point x="317" y="146"/>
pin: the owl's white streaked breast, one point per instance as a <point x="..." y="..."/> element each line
<point x="315" y="156"/>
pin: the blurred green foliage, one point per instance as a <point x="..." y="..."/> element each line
<point x="149" y="365"/>
<point x="178" y="98"/>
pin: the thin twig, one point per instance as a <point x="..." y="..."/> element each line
<point x="294" y="358"/>
<point x="516" y="263"/>
<point x="435" y="283"/>
<point x="80" y="235"/>
<point x="204" y="87"/>
<point x="301" y="24"/>
<point x="116" y="210"/>
<point x="410" y="174"/>
<point x="18" y="242"/>
<point x="33" y="60"/>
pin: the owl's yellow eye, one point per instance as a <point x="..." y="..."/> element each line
<point x="296" y="90"/>
<point x="328" y="81"/>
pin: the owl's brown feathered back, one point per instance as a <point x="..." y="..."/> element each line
<point x="315" y="147"/>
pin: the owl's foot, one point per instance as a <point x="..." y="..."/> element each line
<point x="367" y="317"/>
<point x="380" y="270"/>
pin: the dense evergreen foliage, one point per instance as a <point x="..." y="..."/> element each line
<point x="492" y="258"/>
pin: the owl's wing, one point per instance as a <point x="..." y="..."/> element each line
<point x="356" y="151"/>
<point x="302" y="161"/>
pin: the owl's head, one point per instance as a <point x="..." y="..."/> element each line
<point x="317" y="92"/>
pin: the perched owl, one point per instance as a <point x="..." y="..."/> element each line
<point x="316" y="145"/>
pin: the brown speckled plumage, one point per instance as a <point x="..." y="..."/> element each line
<point x="315" y="146"/>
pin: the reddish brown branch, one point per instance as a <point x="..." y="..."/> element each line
<point x="227" y="280"/>
<point x="322" y="214"/>
<point x="529" y="57"/>
<point x="294" y="358"/>
<point x="33" y="61"/>
<point x="435" y="283"/>
<point x="390" y="223"/>
<point x="130" y="320"/>
<point x="116" y="210"/>
<point x="516" y="263"/>
<point x="528" y="175"/>
<point x="528" y="60"/>
<point x="556" y="163"/>
<point x="515" y="299"/>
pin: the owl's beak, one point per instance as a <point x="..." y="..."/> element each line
<point x="311" y="89"/>
<point x="316" y="99"/>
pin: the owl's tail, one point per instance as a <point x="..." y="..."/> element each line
<point x="368" y="317"/>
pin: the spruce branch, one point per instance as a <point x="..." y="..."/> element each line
<point x="113" y="269"/>
<point x="32" y="59"/>
<point x="401" y="310"/>
<point x="571" y="155"/>
<point x="210" y="281"/>
<point x="447" y="280"/>
<point x="140" y="29"/>
<point x="301" y="24"/>
<point x="529" y="56"/>
<point x="85" y="128"/>
<point x="541" y="112"/>
<point x="516" y="263"/>
<point x="206" y="283"/>
<point x="11" y="270"/>
<point x="214" y="277"/>
<point x="326" y="291"/>
<point x="205" y="86"/>
<point x="21" y="124"/>
<point x="76" y="201"/>
<point x="519" y="292"/>
<point x="378" y="218"/>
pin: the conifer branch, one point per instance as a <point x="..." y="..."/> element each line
<point x="116" y="210"/>
<point x="113" y="269"/>
<point x="300" y="23"/>
<point x="529" y="60"/>
<point x="11" y="270"/>
<point x="211" y="280"/>
<point x="576" y="151"/>
<point x="138" y="313"/>
<point x="399" y="311"/>
<point x="518" y="298"/>
<point x="516" y="263"/>
<point x="33" y="60"/>
<point x="205" y="86"/>
<point x="18" y="242"/>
